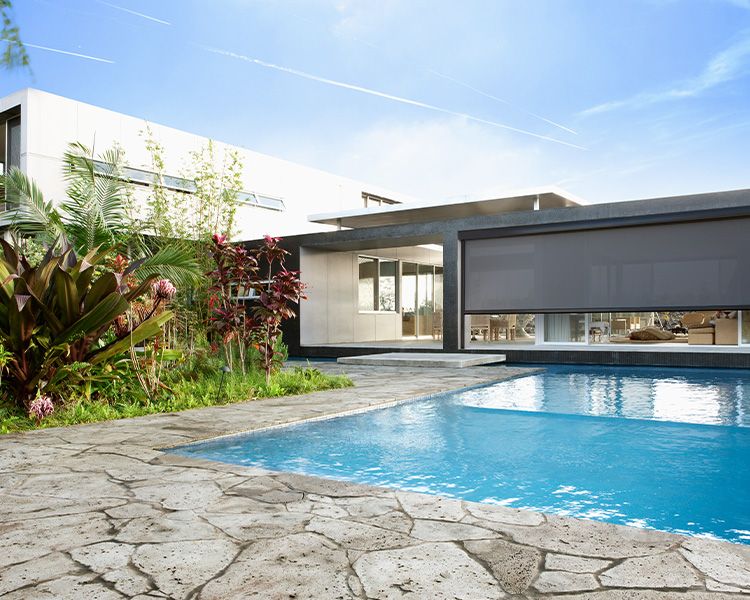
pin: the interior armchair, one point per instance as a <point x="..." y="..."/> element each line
<point x="506" y="323"/>
<point x="700" y="329"/>
<point x="480" y="324"/>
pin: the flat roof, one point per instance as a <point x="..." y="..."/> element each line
<point x="424" y="212"/>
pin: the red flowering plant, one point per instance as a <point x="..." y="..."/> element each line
<point x="238" y="269"/>
<point x="274" y="293"/>
<point x="234" y="270"/>
<point x="148" y="362"/>
<point x="40" y="408"/>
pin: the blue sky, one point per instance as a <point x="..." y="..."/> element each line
<point x="608" y="100"/>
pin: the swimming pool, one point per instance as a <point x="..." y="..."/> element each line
<point x="610" y="448"/>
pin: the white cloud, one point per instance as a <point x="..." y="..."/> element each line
<point x="436" y="160"/>
<point x="732" y="63"/>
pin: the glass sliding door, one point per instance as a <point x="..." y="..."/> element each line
<point x="425" y="298"/>
<point x="438" y="289"/>
<point x="409" y="299"/>
<point x="421" y="297"/>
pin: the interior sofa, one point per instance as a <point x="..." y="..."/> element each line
<point x="700" y="329"/>
<point x="711" y="328"/>
<point x="725" y="332"/>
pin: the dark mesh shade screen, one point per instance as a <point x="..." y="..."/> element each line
<point x="692" y="265"/>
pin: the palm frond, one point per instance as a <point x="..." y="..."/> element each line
<point x="173" y="264"/>
<point x="97" y="192"/>
<point x="29" y="213"/>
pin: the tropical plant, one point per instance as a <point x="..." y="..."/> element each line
<point x="187" y="220"/>
<point x="29" y="213"/>
<point x="14" y="55"/>
<point x="275" y="290"/>
<point x="150" y="361"/>
<point x="41" y="407"/>
<point x="53" y="317"/>
<point x="237" y="269"/>
<point x="96" y="213"/>
<point x="191" y="218"/>
<point x="234" y="271"/>
<point x="5" y="356"/>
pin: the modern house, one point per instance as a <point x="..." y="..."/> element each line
<point x="536" y="274"/>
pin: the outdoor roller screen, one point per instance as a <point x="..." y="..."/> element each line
<point x="696" y="264"/>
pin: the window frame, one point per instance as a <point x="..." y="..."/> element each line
<point x="379" y="260"/>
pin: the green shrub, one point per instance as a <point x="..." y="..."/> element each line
<point x="53" y="317"/>
<point x="119" y="403"/>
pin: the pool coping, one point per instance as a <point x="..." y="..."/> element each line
<point x="97" y="510"/>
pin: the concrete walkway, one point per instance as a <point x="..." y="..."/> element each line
<point x="95" y="512"/>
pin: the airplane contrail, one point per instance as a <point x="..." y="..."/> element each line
<point x="70" y="53"/>
<point x="132" y="12"/>
<point x="446" y="77"/>
<point x="528" y="112"/>
<point x="384" y="95"/>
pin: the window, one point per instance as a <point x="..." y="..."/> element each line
<point x="377" y="284"/>
<point x="250" y="293"/>
<point x="268" y="202"/>
<point x="180" y="184"/>
<point x="10" y="149"/>
<point x="373" y="200"/>
<point x="134" y="175"/>
<point x="13" y="153"/>
<point x="387" y="285"/>
<point x="147" y="178"/>
<point x="260" y="200"/>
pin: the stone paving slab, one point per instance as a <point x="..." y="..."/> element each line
<point x="423" y="359"/>
<point x="97" y="512"/>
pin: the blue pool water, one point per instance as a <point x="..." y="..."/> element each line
<point x="663" y="449"/>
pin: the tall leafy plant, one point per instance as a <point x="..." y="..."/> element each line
<point x="96" y="192"/>
<point x="235" y="269"/>
<point x="186" y="221"/>
<point x="263" y="271"/>
<point x="276" y="288"/>
<point x="190" y="219"/>
<point x="96" y="212"/>
<point x="53" y="317"/>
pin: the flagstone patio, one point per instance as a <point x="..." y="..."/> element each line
<point x="97" y="512"/>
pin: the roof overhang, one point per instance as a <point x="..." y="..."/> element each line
<point x="425" y="212"/>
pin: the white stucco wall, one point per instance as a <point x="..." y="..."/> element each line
<point x="50" y="122"/>
<point x="330" y="315"/>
